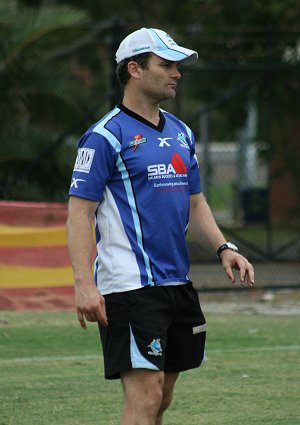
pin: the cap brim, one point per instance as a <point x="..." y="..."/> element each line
<point x="185" y="56"/>
<point x="176" y="56"/>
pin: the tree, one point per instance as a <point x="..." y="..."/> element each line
<point x="39" y="95"/>
<point x="249" y="52"/>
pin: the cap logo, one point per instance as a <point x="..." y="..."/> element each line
<point x="140" y="49"/>
<point x="171" y="41"/>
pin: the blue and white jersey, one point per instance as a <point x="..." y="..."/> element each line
<point x="142" y="176"/>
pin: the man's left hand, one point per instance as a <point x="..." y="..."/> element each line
<point x="232" y="260"/>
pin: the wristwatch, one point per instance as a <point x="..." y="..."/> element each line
<point x="227" y="245"/>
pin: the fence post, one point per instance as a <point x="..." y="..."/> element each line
<point x="117" y="33"/>
<point x="205" y="166"/>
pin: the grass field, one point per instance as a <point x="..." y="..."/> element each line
<point x="51" y="373"/>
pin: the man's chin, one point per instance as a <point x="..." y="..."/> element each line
<point x="170" y="95"/>
<point x="167" y="96"/>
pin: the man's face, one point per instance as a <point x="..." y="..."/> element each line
<point x="159" y="81"/>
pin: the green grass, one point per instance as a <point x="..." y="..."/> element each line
<point x="51" y="373"/>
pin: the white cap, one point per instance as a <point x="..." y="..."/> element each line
<point x="155" y="41"/>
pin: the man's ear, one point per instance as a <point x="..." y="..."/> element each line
<point x="134" y="69"/>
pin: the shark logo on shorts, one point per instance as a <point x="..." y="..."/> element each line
<point x="156" y="349"/>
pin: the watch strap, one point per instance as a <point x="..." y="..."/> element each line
<point x="226" y="245"/>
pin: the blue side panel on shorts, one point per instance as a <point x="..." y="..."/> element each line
<point x="138" y="361"/>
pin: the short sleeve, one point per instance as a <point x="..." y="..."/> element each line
<point x="93" y="167"/>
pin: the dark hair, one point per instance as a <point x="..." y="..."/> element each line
<point x="122" y="67"/>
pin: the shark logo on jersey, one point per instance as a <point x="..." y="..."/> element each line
<point x="182" y="138"/>
<point x="138" y="139"/>
<point x="163" y="141"/>
<point x="155" y="347"/>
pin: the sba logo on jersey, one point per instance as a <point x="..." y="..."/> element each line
<point x="84" y="160"/>
<point x="176" y="168"/>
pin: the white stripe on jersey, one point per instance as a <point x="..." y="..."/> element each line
<point x="100" y="128"/>
<point x="188" y="130"/>
<point x="136" y="220"/>
<point x="117" y="266"/>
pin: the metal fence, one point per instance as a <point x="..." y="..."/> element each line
<point x="235" y="179"/>
<point x="236" y="183"/>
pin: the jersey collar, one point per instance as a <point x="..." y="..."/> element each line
<point x="138" y="117"/>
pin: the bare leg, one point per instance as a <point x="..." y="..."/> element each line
<point x="169" y="382"/>
<point x="143" y="394"/>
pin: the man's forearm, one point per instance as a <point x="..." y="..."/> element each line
<point x="203" y="227"/>
<point x="90" y="304"/>
<point x="80" y="245"/>
<point x="80" y="241"/>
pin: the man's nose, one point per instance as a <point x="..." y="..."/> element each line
<point x="176" y="74"/>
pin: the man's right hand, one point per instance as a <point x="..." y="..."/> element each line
<point x="90" y="305"/>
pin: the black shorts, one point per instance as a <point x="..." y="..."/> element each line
<point x="159" y="328"/>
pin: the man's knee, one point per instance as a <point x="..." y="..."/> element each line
<point x="143" y="390"/>
<point x="170" y="380"/>
<point x="165" y="402"/>
<point x="152" y="402"/>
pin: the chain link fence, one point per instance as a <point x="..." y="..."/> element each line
<point x="236" y="182"/>
<point x="236" y="174"/>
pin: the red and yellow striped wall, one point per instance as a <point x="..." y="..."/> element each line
<point x="33" y="248"/>
<point x="33" y="257"/>
<point x="33" y="245"/>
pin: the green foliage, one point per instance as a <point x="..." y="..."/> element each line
<point x="55" y="61"/>
<point x="39" y="95"/>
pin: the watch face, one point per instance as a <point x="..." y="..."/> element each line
<point x="232" y="246"/>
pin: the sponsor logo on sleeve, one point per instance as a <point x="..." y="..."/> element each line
<point x="84" y="160"/>
<point x="75" y="182"/>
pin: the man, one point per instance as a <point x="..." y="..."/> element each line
<point x="137" y="175"/>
